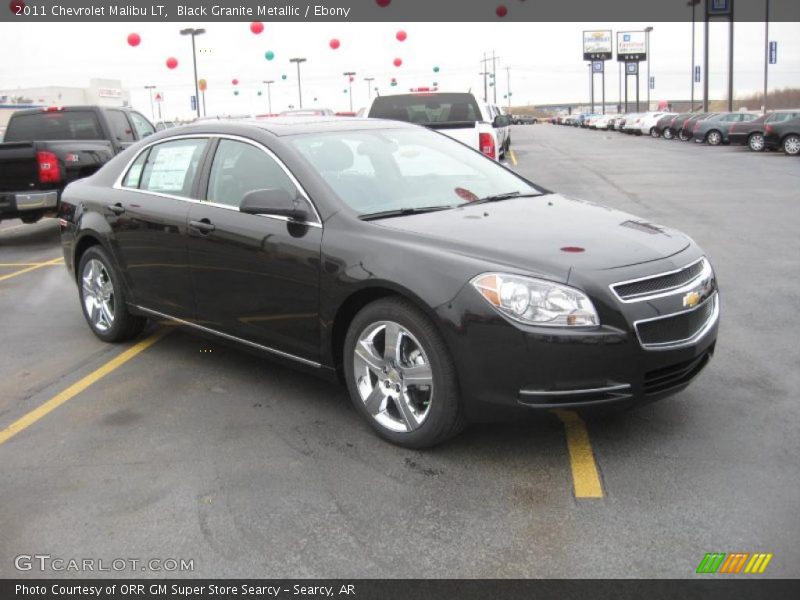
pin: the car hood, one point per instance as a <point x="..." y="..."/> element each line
<point x="548" y="235"/>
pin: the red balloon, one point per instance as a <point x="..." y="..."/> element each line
<point x="235" y="81"/>
<point x="394" y="79"/>
<point x="256" y="27"/>
<point x="401" y="36"/>
<point x="172" y="63"/>
<point x="383" y="3"/>
<point x="501" y="11"/>
<point x="352" y="79"/>
<point x="397" y="62"/>
<point x="334" y="43"/>
<point x="134" y="39"/>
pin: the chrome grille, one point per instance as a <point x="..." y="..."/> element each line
<point x="640" y="289"/>
<point x="678" y="329"/>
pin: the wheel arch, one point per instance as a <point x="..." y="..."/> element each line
<point x="354" y="302"/>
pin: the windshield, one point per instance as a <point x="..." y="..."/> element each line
<point x="392" y="169"/>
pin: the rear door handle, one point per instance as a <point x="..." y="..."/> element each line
<point x="117" y="208"/>
<point x="203" y="226"/>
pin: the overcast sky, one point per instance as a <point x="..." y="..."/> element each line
<point x="545" y="60"/>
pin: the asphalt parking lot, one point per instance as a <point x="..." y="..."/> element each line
<point x="192" y="450"/>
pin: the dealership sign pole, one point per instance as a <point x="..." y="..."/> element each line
<point x="597" y="48"/>
<point x="631" y="49"/>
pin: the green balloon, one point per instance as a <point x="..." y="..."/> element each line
<point x="283" y="76"/>
<point x="259" y="92"/>
<point x="345" y="91"/>
<point x="235" y="92"/>
<point x="269" y="55"/>
<point x="435" y="84"/>
<point x="435" y="69"/>
<point x="504" y="96"/>
<point x="315" y="99"/>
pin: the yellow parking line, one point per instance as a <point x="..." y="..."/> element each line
<point x="513" y="157"/>
<point x="79" y="386"/>
<point x="585" y="477"/>
<point x="33" y="267"/>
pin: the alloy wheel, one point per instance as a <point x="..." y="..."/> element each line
<point x="98" y="295"/>
<point x="791" y="145"/>
<point x="393" y="376"/>
<point x="756" y="142"/>
<point x="714" y="138"/>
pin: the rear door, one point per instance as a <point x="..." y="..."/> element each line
<point x="148" y="214"/>
<point x="255" y="277"/>
<point x="121" y="128"/>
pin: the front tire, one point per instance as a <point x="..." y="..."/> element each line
<point x="669" y="134"/>
<point x="791" y="145"/>
<point x="654" y="132"/>
<point x="683" y="136"/>
<point x="103" y="298"/>
<point x="400" y="375"/>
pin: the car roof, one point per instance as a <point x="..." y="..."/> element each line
<point x="285" y="125"/>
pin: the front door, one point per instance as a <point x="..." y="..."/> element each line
<point x="255" y="277"/>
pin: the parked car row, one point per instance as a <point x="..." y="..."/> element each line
<point x="776" y="130"/>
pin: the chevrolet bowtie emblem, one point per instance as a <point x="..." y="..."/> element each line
<point x="691" y="299"/>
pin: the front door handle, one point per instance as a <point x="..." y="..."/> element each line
<point x="203" y="226"/>
<point x="117" y="208"/>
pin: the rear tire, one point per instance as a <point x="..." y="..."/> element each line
<point x="103" y="298"/>
<point x="791" y="145"/>
<point x="756" y="142"/>
<point x="654" y="133"/>
<point x="669" y="134"/>
<point x="714" y="138"/>
<point x="682" y="136"/>
<point x="380" y="378"/>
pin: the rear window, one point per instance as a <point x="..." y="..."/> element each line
<point x="56" y="125"/>
<point x="425" y="109"/>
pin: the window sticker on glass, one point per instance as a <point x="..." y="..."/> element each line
<point x="170" y="166"/>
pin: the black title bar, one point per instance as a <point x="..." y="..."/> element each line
<point x="384" y="10"/>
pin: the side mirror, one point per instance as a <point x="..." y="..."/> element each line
<point x="276" y="202"/>
<point x="501" y="121"/>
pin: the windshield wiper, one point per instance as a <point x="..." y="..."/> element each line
<point x="402" y="212"/>
<point x="499" y="197"/>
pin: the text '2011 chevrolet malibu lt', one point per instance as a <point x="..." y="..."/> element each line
<point x="442" y="287"/>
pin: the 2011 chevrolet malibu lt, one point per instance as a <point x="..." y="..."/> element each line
<point x="442" y="287"/>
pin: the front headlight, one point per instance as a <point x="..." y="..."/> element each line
<point x="536" y="301"/>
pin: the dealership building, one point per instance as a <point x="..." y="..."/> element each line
<point x="103" y="92"/>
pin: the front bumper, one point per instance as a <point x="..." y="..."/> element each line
<point x="507" y="366"/>
<point x="21" y="203"/>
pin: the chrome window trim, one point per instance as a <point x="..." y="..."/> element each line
<point x="698" y="335"/>
<point x="210" y="136"/>
<point x="684" y="287"/>
<point x="227" y="336"/>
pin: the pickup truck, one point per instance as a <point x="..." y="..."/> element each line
<point x="459" y="115"/>
<point x="44" y="149"/>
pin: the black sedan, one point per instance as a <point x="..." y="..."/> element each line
<point x="440" y="286"/>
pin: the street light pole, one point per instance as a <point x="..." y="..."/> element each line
<point x="269" y="94"/>
<point x="693" y="4"/>
<point x="647" y="31"/>
<point x="369" y="81"/>
<point x="194" y="33"/>
<point x="297" y="61"/>
<point x="766" y="53"/>
<point x="349" y="75"/>
<point x="150" y="89"/>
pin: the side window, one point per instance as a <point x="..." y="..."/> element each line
<point x="142" y="125"/>
<point x="120" y="126"/>
<point x="134" y="174"/>
<point x="239" y="168"/>
<point x="171" y="167"/>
